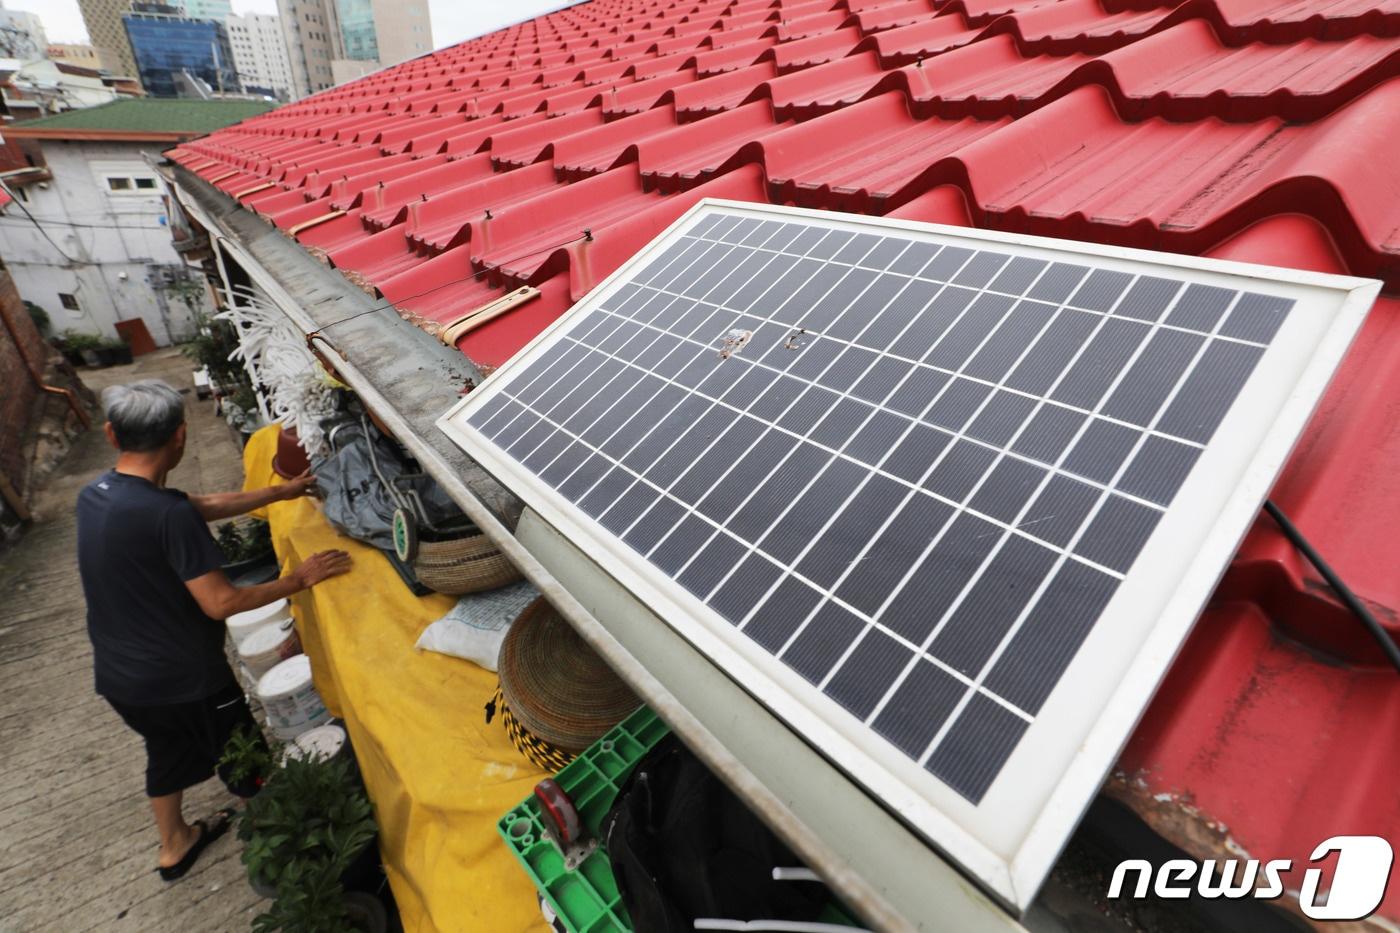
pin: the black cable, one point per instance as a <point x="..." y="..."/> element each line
<point x="85" y="226"/>
<point x="38" y="226"/>
<point x="1349" y="599"/>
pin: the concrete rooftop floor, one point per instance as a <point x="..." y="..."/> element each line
<point x="77" y="842"/>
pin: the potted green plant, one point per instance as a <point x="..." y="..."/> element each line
<point x="114" y="352"/>
<point x="307" y="834"/>
<point x="247" y="760"/>
<point x="247" y="547"/>
<point x="242" y="413"/>
<point x="72" y="354"/>
<point x="81" y="347"/>
<point x="212" y="347"/>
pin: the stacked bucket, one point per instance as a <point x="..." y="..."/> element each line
<point x="276" y="671"/>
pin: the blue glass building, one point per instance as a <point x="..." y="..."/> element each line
<point x="167" y="44"/>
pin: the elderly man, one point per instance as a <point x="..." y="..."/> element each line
<point x="156" y="599"/>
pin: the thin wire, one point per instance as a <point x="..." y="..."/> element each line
<point x="38" y="226"/>
<point x="1349" y="599"/>
<point x="83" y="226"/>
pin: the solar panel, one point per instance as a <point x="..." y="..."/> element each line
<point x="947" y="501"/>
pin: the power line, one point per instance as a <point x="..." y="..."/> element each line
<point x="86" y="226"/>
<point x="38" y="226"/>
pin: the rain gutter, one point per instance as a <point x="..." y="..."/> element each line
<point x="891" y="879"/>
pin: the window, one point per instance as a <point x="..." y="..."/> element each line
<point x="69" y="302"/>
<point x="126" y="184"/>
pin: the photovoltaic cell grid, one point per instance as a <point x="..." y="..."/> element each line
<point x="914" y="472"/>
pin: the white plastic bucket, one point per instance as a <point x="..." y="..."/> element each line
<point x="246" y="678"/>
<point x="263" y="650"/>
<point x="323" y="743"/>
<point x="290" y="699"/>
<point x="243" y="624"/>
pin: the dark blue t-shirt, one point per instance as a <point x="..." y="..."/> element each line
<point x="137" y="545"/>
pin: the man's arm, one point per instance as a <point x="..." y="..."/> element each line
<point x="220" y="599"/>
<point x="219" y="505"/>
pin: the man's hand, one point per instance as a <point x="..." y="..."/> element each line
<point x="302" y="485"/>
<point x="220" y="599"/>
<point x="222" y="505"/>
<point x="321" y="566"/>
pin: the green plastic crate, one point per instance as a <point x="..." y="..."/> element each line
<point x="586" y="899"/>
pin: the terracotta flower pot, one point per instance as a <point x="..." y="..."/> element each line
<point x="291" y="459"/>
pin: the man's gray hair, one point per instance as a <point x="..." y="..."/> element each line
<point x="144" y="415"/>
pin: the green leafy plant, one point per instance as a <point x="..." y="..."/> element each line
<point x="189" y="291"/>
<point x="242" y="541"/>
<point x="211" y="347"/>
<point x="314" y="902"/>
<point x="245" y="398"/>
<point x="78" y="341"/>
<point x="248" y="756"/>
<point x="305" y="827"/>
<point x="40" y="317"/>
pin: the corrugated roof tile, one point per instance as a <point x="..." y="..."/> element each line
<point x="589" y="152"/>
<point x="724" y="91"/>
<point x="518" y="146"/>
<point x="1254" y="129"/>
<point x="820" y="89"/>
<point x="813" y="50"/>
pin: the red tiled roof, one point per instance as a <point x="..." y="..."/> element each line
<point x="1260" y="130"/>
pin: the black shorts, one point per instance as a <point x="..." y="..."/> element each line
<point x="184" y="741"/>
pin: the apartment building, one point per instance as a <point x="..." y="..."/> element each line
<point x="331" y="41"/>
<point x="312" y="40"/>
<point x="103" y="19"/>
<point x="260" y="54"/>
<point x="21" y="35"/>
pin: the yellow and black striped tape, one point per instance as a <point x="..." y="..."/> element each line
<point x="539" y="752"/>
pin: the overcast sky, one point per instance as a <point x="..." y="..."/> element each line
<point x="453" y="20"/>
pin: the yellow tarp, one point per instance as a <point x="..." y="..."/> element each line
<point x="438" y="775"/>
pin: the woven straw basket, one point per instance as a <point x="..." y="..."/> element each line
<point x="538" y="752"/>
<point x="463" y="565"/>
<point x="556" y="691"/>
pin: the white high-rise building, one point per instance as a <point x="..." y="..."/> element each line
<point x="260" y="53"/>
<point x="330" y="41"/>
<point x="21" y="35"/>
<point x="312" y="40"/>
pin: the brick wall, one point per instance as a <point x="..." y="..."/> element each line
<point x="19" y="340"/>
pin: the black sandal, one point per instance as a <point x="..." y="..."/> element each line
<point x="207" y="835"/>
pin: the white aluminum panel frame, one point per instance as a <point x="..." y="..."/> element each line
<point x="1010" y="840"/>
